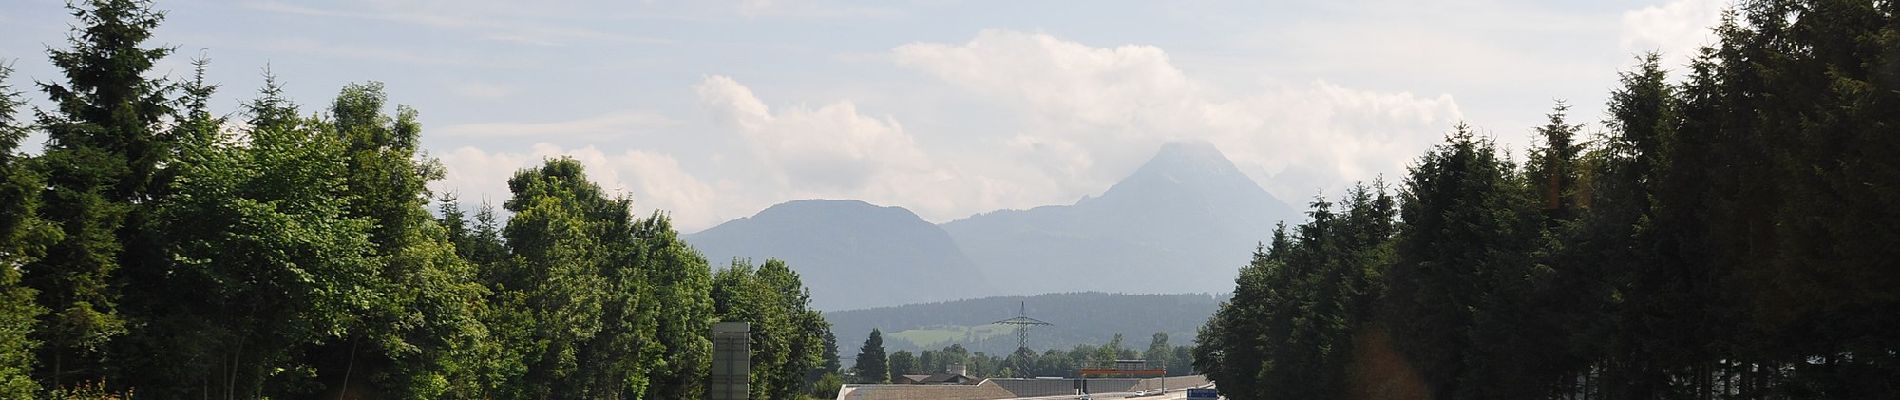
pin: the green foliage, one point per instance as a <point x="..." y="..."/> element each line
<point x="23" y="238"/>
<point x="105" y="144"/>
<point x="954" y="354"/>
<point x="264" y="260"/>
<point x="478" y="241"/>
<point x="1021" y="364"/>
<point x="831" y="363"/>
<point x="417" y="337"/>
<point x="1159" y="352"/>
<point x="153" y="248"/>
<point x="787" y="335"/>
<point x="871" y="365"/>
<point x="17" y="313"/>
<point x="682" y="283"/>
<point x="107" y="104"/>
<point x="1182" y="362"/>
<point x="827" y="386"/>
<point x="574" y="278"/>
<point x="902" y="363"/>
<point x="1727" y="237"/>
<point x="95" y="390"/>
<point x="1288" y="331"/>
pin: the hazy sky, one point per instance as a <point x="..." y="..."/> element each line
<point x="714" y="110"/>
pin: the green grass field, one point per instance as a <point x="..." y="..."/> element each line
<point x="942" y="335"/>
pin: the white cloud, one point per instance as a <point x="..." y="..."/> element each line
<point x="1096" y="111"/>
<point x="1676" y="29"/>
<point x="785" y="153"/>
<point x="829" y="148"/>
<point x="654" y="180"/>
<point x="1085" y="117"/>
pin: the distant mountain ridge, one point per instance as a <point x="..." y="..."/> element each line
<point x="851" y="254"/>
<point x="1183" y="222"/>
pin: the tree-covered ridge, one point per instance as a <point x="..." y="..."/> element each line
<point x="1730" y="236"/>
<point x="156" y="250"/>
<point x="1022" y="363"/>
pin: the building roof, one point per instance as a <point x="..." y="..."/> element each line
<point x="947" y="377"/>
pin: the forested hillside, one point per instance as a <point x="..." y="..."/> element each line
<point x="1731" y="235"/>
<point x="157" y="250"/>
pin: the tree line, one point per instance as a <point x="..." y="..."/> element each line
<point x="873" y="365"/>
<point x="156" y="249"/>
<point x="1729" y="236"/>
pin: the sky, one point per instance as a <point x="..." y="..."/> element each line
<point x="714" y="110"/>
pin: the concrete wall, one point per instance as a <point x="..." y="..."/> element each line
<point x="1037" y="387"/>
<point x="983" y="391"/>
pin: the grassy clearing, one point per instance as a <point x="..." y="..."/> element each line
<point x="944" y="335"/>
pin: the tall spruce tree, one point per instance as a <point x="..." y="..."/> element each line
<point x="104" y="143"/>
<point x="1571" y="314"/>
<point x="144" y="356"/>
<point x="871" y="365"/>
<point x="1462" y="262"/>
<point x="832" y="361"/>
<point x="1289" y="331"/>
<point x="1616" y="237"/>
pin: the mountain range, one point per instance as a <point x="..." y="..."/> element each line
<point x="851" y="254"/>
<point x="1183" y="222"/>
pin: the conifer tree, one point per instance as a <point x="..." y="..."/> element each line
<point x="104" y="144"/>
<point x="1462" y="258"/>
<point x="871" y="365"/>
<point x="23" y="238"/>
